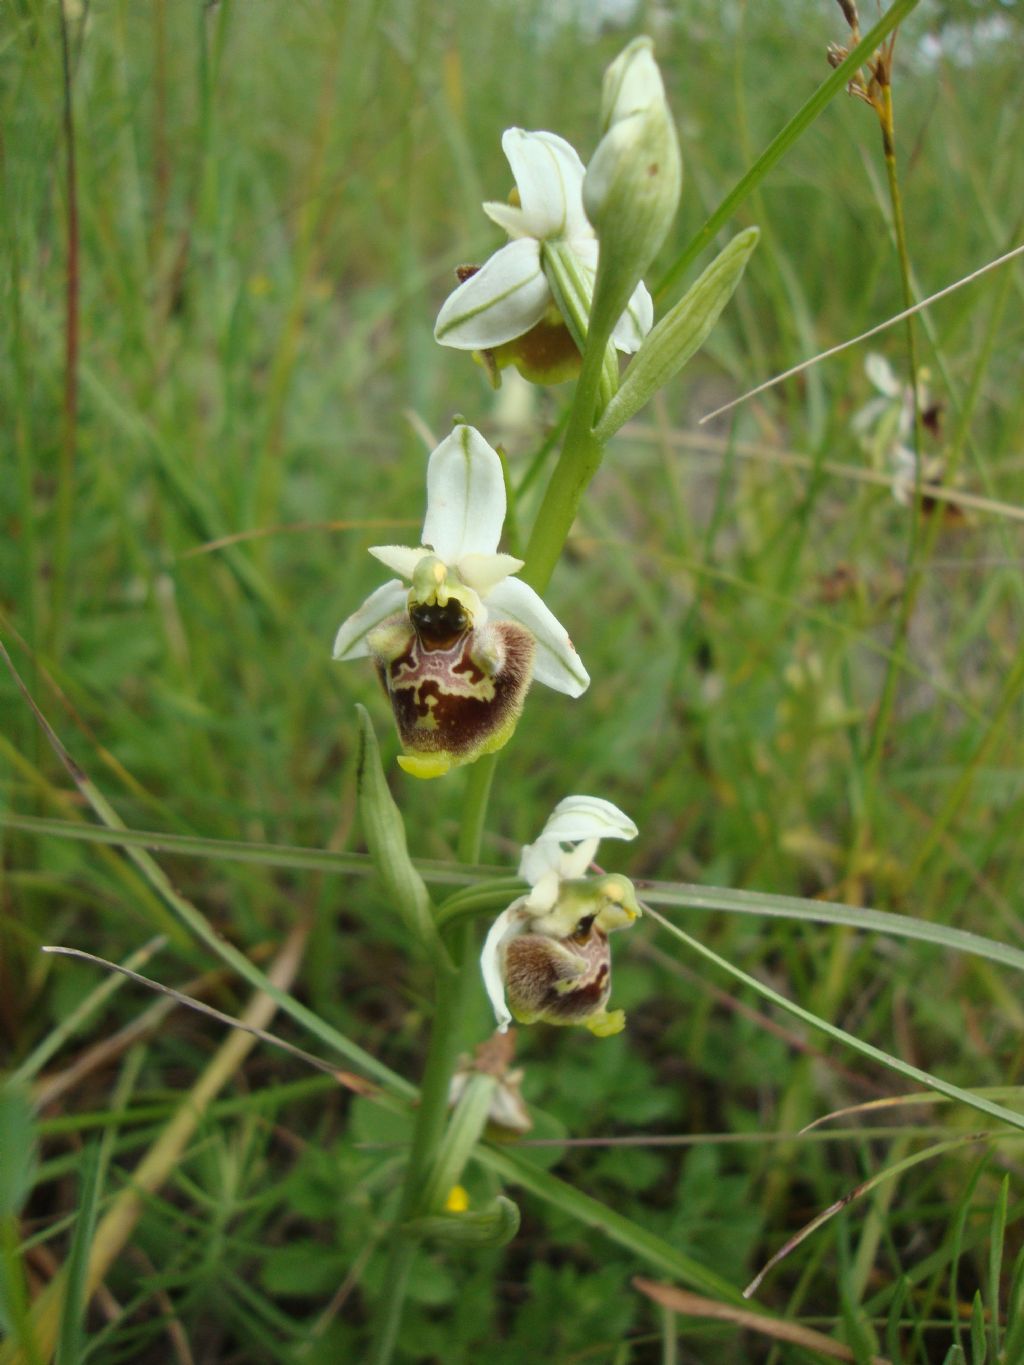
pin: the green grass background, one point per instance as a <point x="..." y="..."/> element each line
<point x="271" y="200"/>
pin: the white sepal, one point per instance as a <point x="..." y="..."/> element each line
<point x="543" y="894"/>
<point x="465" y="497"/>
<point x="576" y="861"/>
<point x="587" y="817"/>
<point x="556" y="663"/>
<point x="880" y="372"/>
<point x="580" y="820"/>
<point x="549" y="177"/>
<point x="509" y="923"/>
<point x="504" y="299"/>
<point x="350" y="641"/>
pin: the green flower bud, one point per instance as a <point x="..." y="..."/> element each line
<point x="632" y="185"/>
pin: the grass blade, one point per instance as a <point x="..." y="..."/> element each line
<point x="777" y="148"/>
<point x="90" y="1182"/>
<point x="968" y="1097"/>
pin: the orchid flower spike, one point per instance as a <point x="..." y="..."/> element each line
<point x="547" y="957"/>
<point x="457" y="651"/>
<point x="506" y="308"/>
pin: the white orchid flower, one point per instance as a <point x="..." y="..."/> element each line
<point x="457" y="651"/>
<point x="548" y="951"/>
<point x="885" y="427"/>
<point x="509" y="299"/>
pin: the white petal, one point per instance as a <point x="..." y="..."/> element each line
<point x="509" y="923"/>
<point x="879" y="371"/>
<point x="350" y="642"/>
<point x="485" y="572"/>
<point x="576" y="862"/>
<point x="538" y="860"/>
<point x="556" y="663"/>
<point x="587" y="817"/>
<point x="465" y="497"/>
<point x="543" y="895"/>
<point x="399" y="558"/>
<point x="635" y="322"/>
<point x="545" y="864"/>
<point x="866" y="417"/>
<point x="549" y="177"/>
<point x="506" y="296"/>
<point x="509" y="218"/>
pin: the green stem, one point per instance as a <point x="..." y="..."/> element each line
<point x="581" y="450"/>
<point x="577" y="465"/>
<point x="430" y="1119"/>
<point x="581" y="455"/>
<point x="579" y="461"/>
<point x="450" y="1003"/>
<point x="403" y="1254"/>
<point x="474" y="808"/>
<point x="837" y="970"/>
<point x="888" y="697"/>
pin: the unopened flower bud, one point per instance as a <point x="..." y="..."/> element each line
<point x="631" y="84"/>
<point x="632" y="185"/>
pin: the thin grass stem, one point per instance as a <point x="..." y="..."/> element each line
<point x="69" y="410"/>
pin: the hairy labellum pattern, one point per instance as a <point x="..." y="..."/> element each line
<point x="562" y="981"/>
<point x="454" y="694"/>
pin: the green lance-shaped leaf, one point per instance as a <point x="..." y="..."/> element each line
<point x="679" y="334"/>
<point x="979" y="1337"/>
<point x="385" y="838"/>
<point x="493" y="1226"/>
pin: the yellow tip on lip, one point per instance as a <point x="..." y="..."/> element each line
<point x="425" y="766"/>
<point x="606" y="1024"/>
